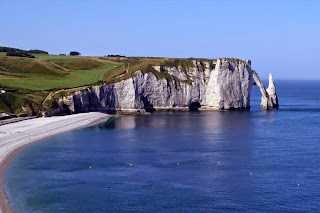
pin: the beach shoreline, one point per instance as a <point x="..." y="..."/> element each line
<point x="16" y="136"/>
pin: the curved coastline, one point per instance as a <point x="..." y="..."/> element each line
<point x="16" y="136"/>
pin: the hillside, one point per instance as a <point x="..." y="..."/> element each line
<point x="49" y="72"/>
<point x="27" y="81"/>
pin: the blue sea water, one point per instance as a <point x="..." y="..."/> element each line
<point x="256" y="161"/>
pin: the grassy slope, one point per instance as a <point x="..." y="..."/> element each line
<point x="29" y="81"/>
<point x="52" y="72"/>
<point x="50" y="82"/>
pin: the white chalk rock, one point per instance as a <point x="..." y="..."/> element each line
<point x="269" y="99"/>
<point x="223" y="85"/>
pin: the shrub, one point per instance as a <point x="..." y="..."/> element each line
<point x="118" y="56"/>
<point x="38" y="52"/>
<point x="19" y="53"/>
<point x="6" y="49"/>
<point x="74" y="53"/>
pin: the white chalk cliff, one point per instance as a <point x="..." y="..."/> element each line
<point x="224" y="85"/>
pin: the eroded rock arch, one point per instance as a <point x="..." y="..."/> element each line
<point x="269" y="99"/>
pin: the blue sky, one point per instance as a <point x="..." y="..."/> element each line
<point x="282" y="37"/>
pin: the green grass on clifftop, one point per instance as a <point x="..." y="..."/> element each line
<point x="38" y="81"/>
<point x="29" y="80"/>
<point x="52" y="72"/>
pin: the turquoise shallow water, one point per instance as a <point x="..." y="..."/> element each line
<point x="180" y="162"/>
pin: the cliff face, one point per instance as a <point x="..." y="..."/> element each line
<point x="224" y="85"/>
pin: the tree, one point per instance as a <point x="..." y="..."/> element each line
<point x="74" y="53"/>
<point x="116" y="56"/>
<point x="38" y="52"/>
<point x="19" y="53"/>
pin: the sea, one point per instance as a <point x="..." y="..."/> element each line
<point x="222" y="161"/>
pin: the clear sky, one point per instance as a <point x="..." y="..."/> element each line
<point x="282" y="37"/>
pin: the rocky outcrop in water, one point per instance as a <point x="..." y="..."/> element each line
<point x="269" y="99"/>
<point x="223" y="85"/>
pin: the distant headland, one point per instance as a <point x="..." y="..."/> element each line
<point x="33" y="82"/>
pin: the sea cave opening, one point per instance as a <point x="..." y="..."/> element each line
<point x="194" y="106"/>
